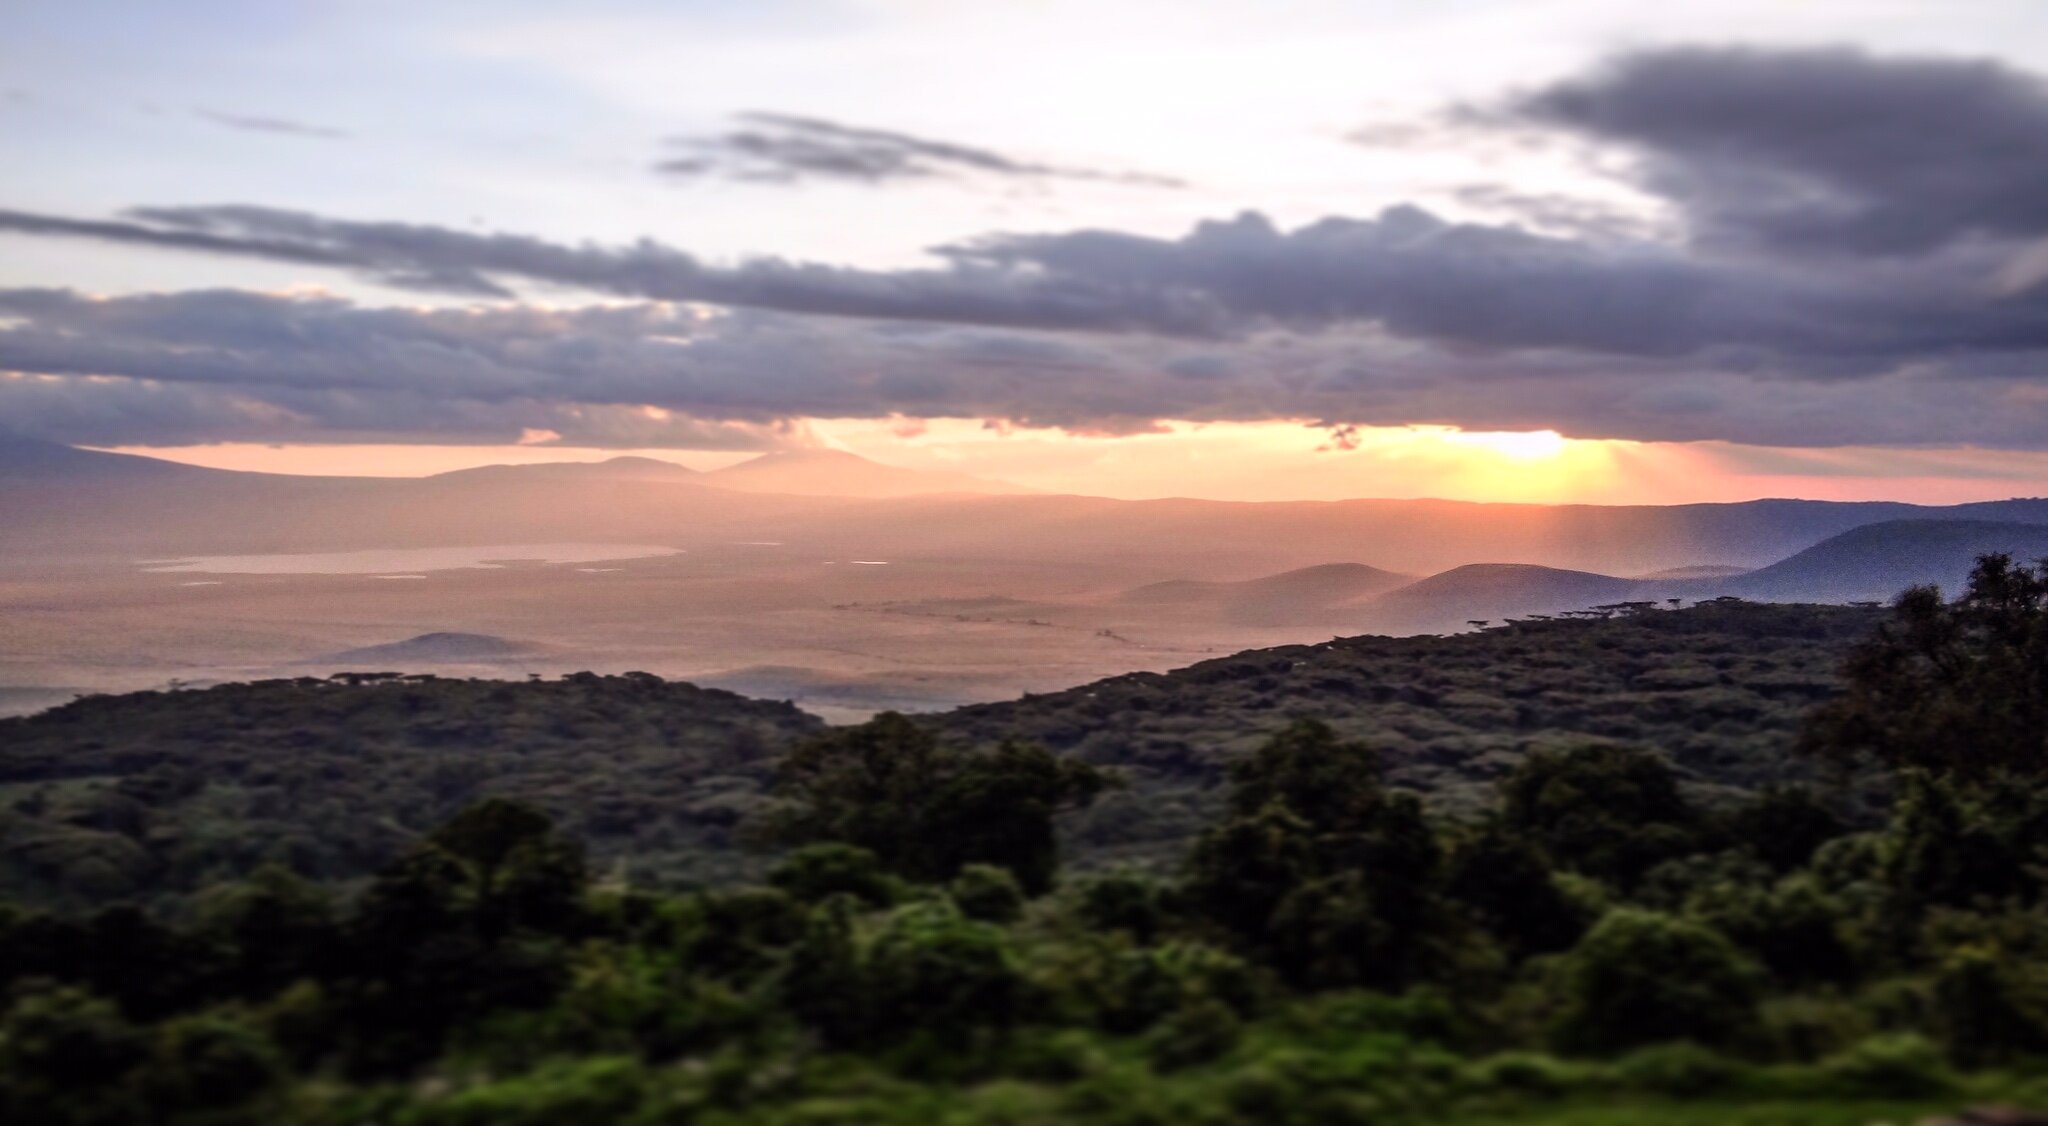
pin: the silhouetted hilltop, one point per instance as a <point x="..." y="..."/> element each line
<point x="843" y="474"/>
<point x="34" y="460"/>
<point x="432" y="648"/>
<point x="1876" y="561"/>
<point x="611" y="469"/>
<point x="156" y="793"/>
<point x="1494" y="591"/>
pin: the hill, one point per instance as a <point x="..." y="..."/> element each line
<point x="1720" y="687"/>
<point x="1495" y="591"/>
<point x="1876" y="561"/>
<point x="155" y="794"/>
<point x="842" y="474"/>
<point x="59" y="502"/>
<point x="1290" y="596"/>
<point x="611" y="469"/>
<point x="431" y="648"/>
<point x="33" y="460"/>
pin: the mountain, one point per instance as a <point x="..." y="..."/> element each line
<point x="61" y="503"/>
<point x="1494" y="591"/>
<point x="431" y="648"/>
<point x="1290" y="596"/>
<point x="33" y="460"/>
<point x="1877" y="561"/>
<point x="1721" y="688"/>
<point x="611" y="469"/>
<point x="842" y="474"/>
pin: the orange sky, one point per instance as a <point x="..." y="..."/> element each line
<point x="1289" y="461"/>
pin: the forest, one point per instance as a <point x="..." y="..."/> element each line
<point x="153" y="796"/>
<point x="1732" y="864"/>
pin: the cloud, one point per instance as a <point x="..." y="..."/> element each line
<point x="1405" y="271"/>
<point x="272" y="367"/>
<point x="1830" y="150"/>
<point x="788" y="148"/>
<point x="260" y="124"/>
<point x="1802" y="292"/>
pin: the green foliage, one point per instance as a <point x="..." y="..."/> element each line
<point x="1512" y="891"/>
<point x="1951" y="686"/>
<point x="152" y="796"/>
<point x="987" y="893"/>
<point x="1610" y="812"/>
<point x="1991" y="1007"/>
<point x="1346" y="889"/>
<point x="814" y="872"/>
<point x="593" y="1090"/>
<point x="64" y="1055"/>
<point x="1639" y="977"/>
<point x="926" y="810"/>
<point x="1333" y="950"/>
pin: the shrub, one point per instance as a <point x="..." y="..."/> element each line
<point x="987" y="893"/>
<point x="1681" y="1070"/>
<point x="1896" y="1065"/>
<point x="1642" y="978"/>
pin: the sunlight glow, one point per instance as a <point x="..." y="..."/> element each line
<point x="1529" y="445"/>
<point x="1279" y="460"/>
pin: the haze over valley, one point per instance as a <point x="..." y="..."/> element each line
<point x="916" y="592"/>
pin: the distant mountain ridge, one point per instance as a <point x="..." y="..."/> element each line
<point x="816" y="472"/>
<point x="31" y="459"/>
<point x="1877" y="561"/>
<point x="433" y="648"/>
<point x="611" y="469"/>
<point x="57" y="501"/>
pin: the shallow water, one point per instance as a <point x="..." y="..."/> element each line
<point x="379" y="561"/>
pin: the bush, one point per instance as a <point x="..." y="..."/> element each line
<point x="1643" y="978"/>
<point x="987" y="893"/>
<point x="596" y="1090"/>
<point x="1897" y="1065"/>
<point x="815" y="872"/>
<point x="1680" y="1070"/>
<point x="1527" y="1073"/>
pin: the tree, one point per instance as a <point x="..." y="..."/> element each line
<point x="1639" y="977"/>
<point x="1320" y="868"/>
<point x="1503" y="880"/>
<point x="927" y="810"/>
<point x="1950" y="686"/>
<point x="1609" y="812"/>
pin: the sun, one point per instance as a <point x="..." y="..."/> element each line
<point x="1514" y="445"/>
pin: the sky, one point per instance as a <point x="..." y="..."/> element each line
<point x="1550" y="250"/>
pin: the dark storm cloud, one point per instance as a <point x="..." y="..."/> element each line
<point x="787" y="148"/>
<point x="1405" y="270"/>
<point x="269" y="367"/>
<point x="1807" y="292"/>
<point x="1828" y="150"/>
<point x="257" y="123"/>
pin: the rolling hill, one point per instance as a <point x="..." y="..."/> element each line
<point x="1291" y="596"/>
<point x="611" y="469"/>
<point x="1877" y="561"/>
<point x="1444" y="602"/>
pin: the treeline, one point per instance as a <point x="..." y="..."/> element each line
<point x="1329" y="951"/>
<point x="152" y="797"/>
